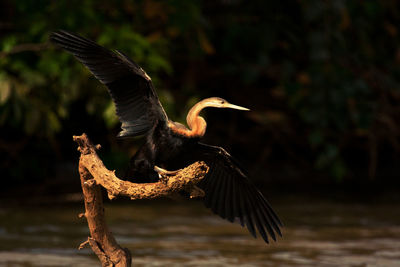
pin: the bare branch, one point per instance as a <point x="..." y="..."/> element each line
<point x="94" y="174"/>
<point x="83" y="244"/>
<point x="184" y="179"/>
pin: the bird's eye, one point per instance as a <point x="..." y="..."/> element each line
<point x="222" y="101"/>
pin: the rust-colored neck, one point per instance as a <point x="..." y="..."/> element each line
<point x="196" y="123"/>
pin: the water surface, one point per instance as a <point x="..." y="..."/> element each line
<point x="184" y="233"/>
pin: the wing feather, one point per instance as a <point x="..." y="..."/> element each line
<point x="210" y="186"/>
<point x="259" y="219"/>
<point x="229" y="200"/>
<point x="231" y="195"/>
<point x="236" y="204"/>
<point x="131" y="89"/>
<point x="270" y="216"/>
<point x="248" y="214"/>
<point x="215" y="193"/>
<point x="222" y="195"/>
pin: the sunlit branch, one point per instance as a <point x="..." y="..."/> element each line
<point x="93" y="173"/>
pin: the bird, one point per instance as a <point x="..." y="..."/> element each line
<point x="228" y="191"/>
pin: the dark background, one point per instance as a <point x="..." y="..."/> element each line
<point x="321" y="79"/>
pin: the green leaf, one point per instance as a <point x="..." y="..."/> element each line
<point x="109" y="115"/>
<point x="53" y="122"/>
<point x="338" y="170"/>
<point x="5" y="90"/>
<point x="8" y="43"/>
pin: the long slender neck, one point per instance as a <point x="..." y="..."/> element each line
<point x="196" y="123"/>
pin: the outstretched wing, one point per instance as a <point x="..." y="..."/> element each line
<point x="131" y="89"/>
<point x="230" y="194"/>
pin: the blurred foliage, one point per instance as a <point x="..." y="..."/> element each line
<point x="322" y="77"/>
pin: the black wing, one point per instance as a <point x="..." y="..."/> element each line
<point x="230" y="194"/>
<point x="136" y="101"/>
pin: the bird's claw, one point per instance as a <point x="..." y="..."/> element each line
<point x="162" y="171"/>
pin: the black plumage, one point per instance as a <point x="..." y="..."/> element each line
<point x="133" y="93"/>
<point x="228" y="191"/>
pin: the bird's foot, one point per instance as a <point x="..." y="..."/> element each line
<point x="162" y="171"/>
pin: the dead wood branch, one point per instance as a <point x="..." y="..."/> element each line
<point x="94" y="174"/>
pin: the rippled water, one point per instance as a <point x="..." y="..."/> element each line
<point x="184" y="233"/>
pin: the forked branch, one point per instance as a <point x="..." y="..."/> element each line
<point x="93" y="173"/>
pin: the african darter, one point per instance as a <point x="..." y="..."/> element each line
<point x="228" y="191"/>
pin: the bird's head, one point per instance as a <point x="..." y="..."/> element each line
<point x="218" y="102"/>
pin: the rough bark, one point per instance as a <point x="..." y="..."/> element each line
<point x="94" y="174"/>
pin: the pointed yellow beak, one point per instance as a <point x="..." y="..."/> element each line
<point x="228" y="105"/>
